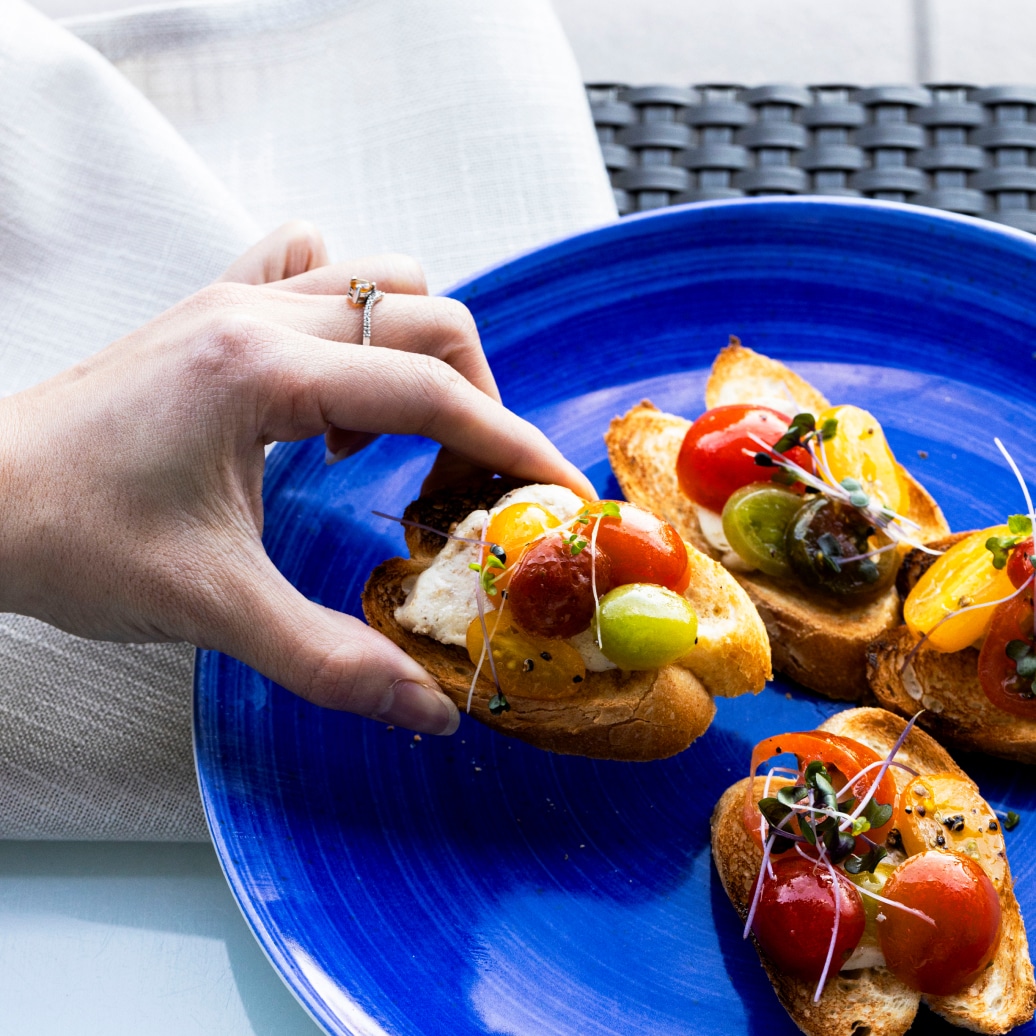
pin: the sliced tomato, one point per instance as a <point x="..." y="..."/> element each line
<point x="512" y="529"/>
<point x="944" y="954"/>
<point x="1019" y="564"/>
<point x="526" y="668"/>
<point x="843" y="757"/>
<point x="795" y="917"/>
<point x="998" y="671"/>
<point x="641" y="547"/>
<point x="718" y="451"/>
<point x="551" y="592"/>
<point x="964" y="575"/>
<point x="858" y="450"/>
<point x="946" y="811"/>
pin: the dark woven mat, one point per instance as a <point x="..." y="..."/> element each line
<point x="961" y="148"/>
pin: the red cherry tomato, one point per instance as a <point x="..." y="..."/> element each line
<point x="641" y="547"/>
<point x="843" y="757"/>
<point x="795" y="917"/>
<point x="997" y="671"/>
<point x="551" y="592"/>
<point x="1019" y="564"/>
<point x="713" y="462"/>
<point x="956" y="893"/>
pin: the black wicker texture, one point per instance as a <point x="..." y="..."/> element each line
<point x="948" y="146"/>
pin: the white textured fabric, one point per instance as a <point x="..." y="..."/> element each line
<point x="139" y="153"/>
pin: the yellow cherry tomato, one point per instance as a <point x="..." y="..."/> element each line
<point x="858" y="450"/>
<point x="526" y="668"/>
<point x="944" y="811"/>
<point x="964" y="575"/>
<point x="513" y="528"/>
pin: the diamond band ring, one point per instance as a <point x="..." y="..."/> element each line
<point x="365" y="293"/>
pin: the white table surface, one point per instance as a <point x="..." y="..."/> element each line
<point x="131" y="938"/>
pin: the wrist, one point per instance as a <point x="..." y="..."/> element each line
<point x="16" y="508"/>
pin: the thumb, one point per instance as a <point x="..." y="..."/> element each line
<point x="328" y="658"/>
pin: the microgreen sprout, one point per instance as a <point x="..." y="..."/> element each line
<point x="1024" y="657"/>
<point x="576" y="543"/>
<point x="1025" y="493"/>
<point x="1011" y="819"/>
<point x="495" y="562"/>
<point x="830" y="830"/>
<point x="820" y="820"/>
<point x="802" y="432"/>
<point x="1019" y="528"/>
<point x="488" y="572"/>
<point x="498" y="703"/>
<point x="593" y="578"/>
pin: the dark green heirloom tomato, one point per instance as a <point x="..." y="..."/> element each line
<point x="823" y="535"/>
<point x="755" y="520"/>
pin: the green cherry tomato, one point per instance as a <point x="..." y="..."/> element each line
<point x="823" y="535"/>
<point x="644" y="626"/>
<point x="755" y="520"/>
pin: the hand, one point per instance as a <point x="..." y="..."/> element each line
<point x="130" y="485"/>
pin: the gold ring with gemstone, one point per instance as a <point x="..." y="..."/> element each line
<point x="366" y="294"/>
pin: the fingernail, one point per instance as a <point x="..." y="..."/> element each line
<point x="333" y="458"/>
<point x="419" y="707"/>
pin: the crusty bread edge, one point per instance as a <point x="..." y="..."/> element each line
<point x="819" y="643"/>
<point x="611" y="715"/>
<point x="1002" y="998"/>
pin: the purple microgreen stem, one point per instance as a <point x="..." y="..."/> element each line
<point x="836" y="891"/>
<point x="862" y="804"/>
<point x="897" y="527"/>
<point x="764" y="868"/>
<point x="892" y="903"/>
<point x="438" y="532"/>
<point x="912" y="653"/>
<point x="870" y="554"/>
<point x="1021" y="481"/>
<point x="593" y="581"/>
<point x="844" y="793"/>
<point x="482" y="622"/>
<point x="482" y="655"/>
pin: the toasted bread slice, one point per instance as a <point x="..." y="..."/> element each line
<point x="739" y="374"/>
<point x="817" y="641"/>
<point x="944" y="684"/>
<point x="614" y="715"/>
<point x="873" y="1000"/>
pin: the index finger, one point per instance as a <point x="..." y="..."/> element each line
<point x="372" y="390"/>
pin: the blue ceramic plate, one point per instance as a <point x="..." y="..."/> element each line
<point x="473" y="884"/>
